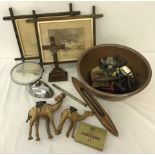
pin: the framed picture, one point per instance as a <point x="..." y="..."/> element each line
<point x="75" y="34"/>
<point x="27" y="36"/>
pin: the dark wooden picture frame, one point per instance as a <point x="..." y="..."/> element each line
<point x="34" y="15"/>
<point x="35" y="18"/>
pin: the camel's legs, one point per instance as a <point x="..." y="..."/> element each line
<point x="74" y="127"/>
<point x="51" y="118"/>
<point x="30" y="130"/>
<point x="37" y="127"/>
<point x="61" y="123"/>
<point x="48" y="128"/>
<point x="69" y="129"/>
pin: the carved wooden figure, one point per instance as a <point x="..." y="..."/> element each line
<point x="71" y="114"/>
<point x="47" y="111"/>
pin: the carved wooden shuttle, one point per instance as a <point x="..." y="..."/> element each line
<point x="99" y="112"/>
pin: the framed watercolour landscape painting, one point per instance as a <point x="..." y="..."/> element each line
<point x="75" y="34"/>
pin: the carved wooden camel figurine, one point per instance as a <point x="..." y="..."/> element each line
<point x="72" y="114"/>
<point x="47" y="111"/>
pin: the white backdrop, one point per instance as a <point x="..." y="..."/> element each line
<point x="128" y="23"/>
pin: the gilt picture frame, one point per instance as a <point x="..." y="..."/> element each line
<point x="76" y="34"/>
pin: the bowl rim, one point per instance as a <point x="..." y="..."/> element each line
<point x="100" y="93"/>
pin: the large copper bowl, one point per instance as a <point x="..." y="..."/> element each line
<point x="136" y="62"/>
